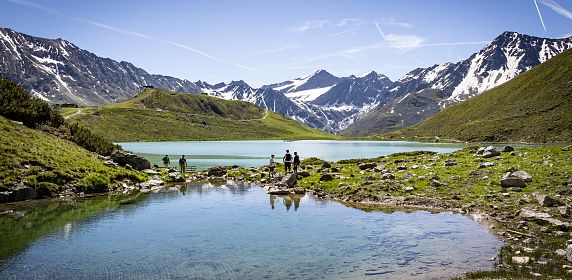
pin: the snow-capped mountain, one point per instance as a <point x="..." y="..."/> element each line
<point x="424" y="91"/>
<point x="58" y="71"/>
<point x="321" y="100"/>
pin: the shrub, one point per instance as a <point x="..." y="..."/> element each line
<point x="47" y="189"/>
<point x="17" y="104"/>
<point x="89" y="141"/>
<point x="94" y="182"/>
<point x="312" y="161"/>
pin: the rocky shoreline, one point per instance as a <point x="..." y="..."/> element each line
<point x="523" y="195"/>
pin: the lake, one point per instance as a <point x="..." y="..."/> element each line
<point x="204" y="154"/>
<point x="237" y="231"/>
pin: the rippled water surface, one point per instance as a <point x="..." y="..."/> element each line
<point x="205" y="154"/>
<point x="240" y="232"/>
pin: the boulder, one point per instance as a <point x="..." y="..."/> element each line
<point x="520" y="260"/>
<point x="508" y="149"/>
<point x="151" y="172"/>
<point x="335" y="169"/>
<point x="326" y="165"/>
<point x="402" y="167"/>
<point x="522" y="175"/>
<point x="543" y="219"/>
<point x="450" y="162"/>
<point x="488" y="152"/>
<point x="289" y="180"/>
<point x="515" y="179"/>
<point x="277" y="191"/>
<point x="179" y="179"/>
<point x="387" y="176"/>
<point x="217" y="171"/>
<point x="18" y="193"/>
<point x="379" y="168"/>
<point x="299" y="190"/>
<point x="110" y="163"/>
<point x="546" y="201"/>
<point x="564" y="211"/>
<point x="124" y="158"/>
<point x="327" y="177"/>
<point x="486" y="164"/>
<point x="365" y="166"/>
<point x="408" y="189"/>
<point x="569" y="253"/>
<point x="304" y="174"/>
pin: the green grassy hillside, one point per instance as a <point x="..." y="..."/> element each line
<point x="158" y="115"/>
<point x="533" y="107"/>
<point x="50" y="164"/>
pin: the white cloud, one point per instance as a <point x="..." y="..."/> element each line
<point x="401" y="41"/>
<point x="557" y="8"/>
<point x="348" y="21"/>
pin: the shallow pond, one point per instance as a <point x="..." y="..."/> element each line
<point x="205" y="154"/>
<point x="236" y="231"/>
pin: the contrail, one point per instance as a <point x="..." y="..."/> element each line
<point x="379" y="29"/>
<point x="540" y="15"/>
<point x="33" y="5"/>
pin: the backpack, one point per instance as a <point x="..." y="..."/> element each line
<point x="182" y="161"/>
<point x="288" y="157"/>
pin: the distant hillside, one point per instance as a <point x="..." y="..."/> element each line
<point x="160" y="115"/>
<point x="533" y="107"/>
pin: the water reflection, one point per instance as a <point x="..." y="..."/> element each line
<point x="287" y="200"/>
<point x="227" y="231"/>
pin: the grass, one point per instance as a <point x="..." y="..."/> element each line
<point x="158" y="115"/>
<point x="467" y="188"/>
<point x="51" y="164"/>
<point x="533" y="107"/>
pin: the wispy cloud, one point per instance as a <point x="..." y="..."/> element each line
<point x="556" y="7"/>
<point x="393" y="22"/>
<point x="322" y="23"/>
<point x="128" y="32"/>
<point x="400" y="41"/>
<point x="290" y="46"/>
<point x="312" y="24"/>
<point x="540" y="15"/>
<point x="354" y="52"/>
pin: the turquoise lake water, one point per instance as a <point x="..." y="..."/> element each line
<point x="204" y="154"/>
<point x="237" y="231"/>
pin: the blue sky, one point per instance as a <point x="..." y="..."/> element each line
<point x="264" y="42"/>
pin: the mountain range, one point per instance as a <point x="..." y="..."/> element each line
<point x="58" y="71"/>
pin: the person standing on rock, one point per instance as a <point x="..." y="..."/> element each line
<point x="271" y="167"/>
<point x="287" y="159"/>
<point x="296" y="162"/>
<point x="183" y="164"/>
<point x="166" y="161"/>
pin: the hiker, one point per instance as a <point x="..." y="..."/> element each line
<point x="287" y="159"/>
<point x="271" y="166"/>
<point x="182" y="164"/>
<point x="166" y="161"/>
<point x="296" y="162"/>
